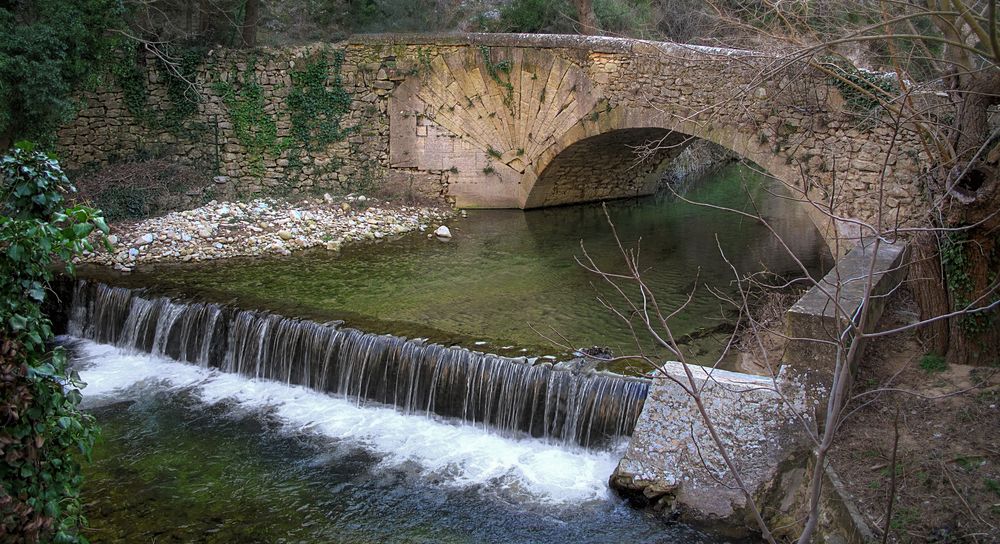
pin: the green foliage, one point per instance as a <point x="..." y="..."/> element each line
<point x="543" y="16"/>
<point x="183" y="99"/>
<point x="130" y="75"/>
<point x="618" y="17"/>
<point x="956" y="264"/>
<point x="317" y="105"/>
<point x="933" y="363"/>
<point x="499" y="72"/>
<point x="131" y="79"/>
<point x="44" y="434"/>
<point x="361" y="16"/>
<point x="624" y="17"/>
<point x="48" y="50"/>
<point x="863" y="91"/>
<point x="255" y="128"/>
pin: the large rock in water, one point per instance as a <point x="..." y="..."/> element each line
<point x="443" y="232"/>
<point x="672" y="461"/>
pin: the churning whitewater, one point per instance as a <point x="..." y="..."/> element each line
<point x="450" y="452"/>
<point x="511" y="396"/>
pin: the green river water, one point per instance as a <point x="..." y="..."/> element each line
<point x="189" y="454"/>
<point x="508" y="282"/>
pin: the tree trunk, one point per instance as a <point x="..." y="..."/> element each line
<point x="585" y="14"/>
<point x="927" y="284"/>
<point x="975" y="339"/>
<point x="251" y="14"/>
<point x="204" y="17"/>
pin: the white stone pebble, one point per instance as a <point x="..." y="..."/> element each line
<point x="263" y="226"/>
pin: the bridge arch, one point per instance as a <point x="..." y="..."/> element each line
<point x="515" y="121"/>
<point x="623" y="152"/>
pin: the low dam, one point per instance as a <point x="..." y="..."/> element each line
<point x="512" y="396"/>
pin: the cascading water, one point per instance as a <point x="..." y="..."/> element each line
<point x="510" y="395"/>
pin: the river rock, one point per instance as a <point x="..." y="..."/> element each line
<point x="443" y="232"/>
<point x="284" y="235"/>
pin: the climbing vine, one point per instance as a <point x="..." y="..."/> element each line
<point x="43" y="435"/>
<point x="318" y="105"/>
<point x="499" y="72"/>
<point x="956" y="264"/>
<point x="130" y="75"/>
<point x="862" y="89"/>
<point x="256" y="130"/>
<point x="183" y="98"/>
<point x="131" y="78"/>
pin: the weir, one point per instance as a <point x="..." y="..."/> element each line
<point x="510" y="395"/>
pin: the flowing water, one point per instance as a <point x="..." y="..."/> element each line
<point x="508" y="280"/>
<point x="192" y="454"/>
<point x="514" y="397"/>
<point x="224" y="422"/>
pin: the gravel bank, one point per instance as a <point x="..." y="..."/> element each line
<point x="259" y="227"/>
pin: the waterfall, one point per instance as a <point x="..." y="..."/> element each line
<point x="510" y="395"/>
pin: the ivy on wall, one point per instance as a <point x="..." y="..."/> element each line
<point x="862" y="90"/>
<point x="256" y="130"/>
<point x="131" y="76"/>
<point x="318" y="102"/>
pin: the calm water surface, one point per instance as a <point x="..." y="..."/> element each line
<point x="509" y="281"/>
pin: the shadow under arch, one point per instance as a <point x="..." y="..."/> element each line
<point x="596" y="159"/>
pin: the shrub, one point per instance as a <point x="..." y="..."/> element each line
<point x="43" y="435"/>
<point x="933" y="363"/>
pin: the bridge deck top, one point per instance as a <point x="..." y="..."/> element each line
<point x="599" y="44"/>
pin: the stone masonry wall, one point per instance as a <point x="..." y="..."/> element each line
<point x="255" y="161"/>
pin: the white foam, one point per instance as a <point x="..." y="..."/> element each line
<point x="454" y="454"/>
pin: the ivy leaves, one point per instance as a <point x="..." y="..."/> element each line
<point x="317" y="104"/>
<point x="316" y="109"/>
<point x="43" y="432"/>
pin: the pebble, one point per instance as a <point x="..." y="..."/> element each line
<point x="262" y="226"/>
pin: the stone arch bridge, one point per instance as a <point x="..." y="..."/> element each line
<point x="524" y="121"/>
